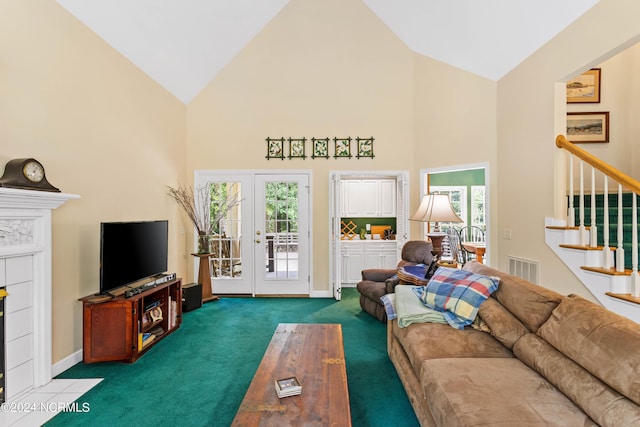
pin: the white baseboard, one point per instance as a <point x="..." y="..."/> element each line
<point x="66" y="363"/>
<point x="321" y="294"/>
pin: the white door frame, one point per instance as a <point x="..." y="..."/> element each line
<point x="402" y="215"/>
<point x="248" y="178"/>
<point x="300" y="284"/>
<point x="487" y="212"/>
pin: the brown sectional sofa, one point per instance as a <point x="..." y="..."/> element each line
<point x="548" y="359"/>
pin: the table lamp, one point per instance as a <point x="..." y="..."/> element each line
<point x="436" y="208"/>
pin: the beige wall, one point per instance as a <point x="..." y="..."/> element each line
<point x="319" y="69"/>
<point x="619" y="97"/>
<point x="102" y="129"/>
<point x="107" y="132"/>
<point x="454" y="125"/>
<point x="527" y="116"/>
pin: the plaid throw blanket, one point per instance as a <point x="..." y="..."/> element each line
<point x="458" y="294"/>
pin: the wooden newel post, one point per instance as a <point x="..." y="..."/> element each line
<point x="204" y="278"/>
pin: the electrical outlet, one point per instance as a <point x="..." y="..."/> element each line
<point x="506" y="234"/>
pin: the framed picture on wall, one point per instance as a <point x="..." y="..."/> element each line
<point x="365" y="147"/>
<point x="584" y="88"/>
<point x="275" y="148"/>
<point x="342" y="147"/>
<point x="297" y="148"/>
<point x="320" y="147"/>
<point x="588" y="127"/>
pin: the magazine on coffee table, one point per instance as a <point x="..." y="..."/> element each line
<point x="288" y="387"/>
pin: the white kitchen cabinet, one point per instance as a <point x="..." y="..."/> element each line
<point x="352" y="261"/>
<point x="387" y="203"/>
<point x="368" y="198"/>
<point x="362" y="254"/>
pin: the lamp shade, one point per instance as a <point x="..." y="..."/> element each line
<point x="435" y="208"/>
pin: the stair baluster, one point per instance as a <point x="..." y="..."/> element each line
<point x="581" y="227"/>
<point x="620" y="250"/>
<point x="623" y="283"/>
<point x="635" y="280"/>
<point x="572" y="211"/>
<point x="606" y="250"/>
<point x="593" y="228"/>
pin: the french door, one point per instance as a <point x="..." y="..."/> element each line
<point x="262" y="246"/>
<point x="281" y="234"/>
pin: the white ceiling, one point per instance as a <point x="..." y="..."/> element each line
<point x="183" y="44"/>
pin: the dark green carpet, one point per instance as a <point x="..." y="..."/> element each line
<point x="198" y="375"/>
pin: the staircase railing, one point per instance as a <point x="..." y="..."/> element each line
<point x="622" y="180"/>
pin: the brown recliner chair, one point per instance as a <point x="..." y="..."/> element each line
<point x="377" y="282"/>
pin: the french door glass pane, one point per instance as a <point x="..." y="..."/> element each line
<point x="281" y="227"/>
<point x="226" y="225"/>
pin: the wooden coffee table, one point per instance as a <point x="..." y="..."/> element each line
<point x="314" y="354"/>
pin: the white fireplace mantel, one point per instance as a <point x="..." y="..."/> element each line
<point x="25" y="231"/>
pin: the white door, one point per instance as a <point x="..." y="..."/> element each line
<point x="281" y="234"/>
<point x="231" y="244"/>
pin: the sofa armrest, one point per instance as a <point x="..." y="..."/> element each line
<point x="391" y="284"/>
<point x="377" y="274"/>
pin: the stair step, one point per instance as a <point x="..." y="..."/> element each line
<point x="625" y="297"/>
<point x="561" y="227"/>
<point x="582" y="247"/>
<point x="611" y="288"/>
<point x="610" y="271"/>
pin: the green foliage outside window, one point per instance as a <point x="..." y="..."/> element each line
<point x="281" y="209"/>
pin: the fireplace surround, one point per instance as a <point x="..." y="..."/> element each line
<point x="26" y="276"/>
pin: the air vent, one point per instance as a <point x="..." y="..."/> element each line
<point x="524" y="268"/>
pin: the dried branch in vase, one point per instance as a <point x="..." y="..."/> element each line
<point x="197" y="207"/>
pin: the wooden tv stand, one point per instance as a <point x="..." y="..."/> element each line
<point x="114" y="327"/>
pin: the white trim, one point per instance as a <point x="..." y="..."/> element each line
<point x="35" y="205"/>
<point x="201" y="175"/>
<point x="66" y="363"/>
<point x="320" y="294"/>
<point x="487" y="194"/>
<point x="335" y="208"/>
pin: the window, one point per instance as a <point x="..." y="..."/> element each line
<point x="226" y="226"/>
<point x="477" y="206"/>
<point x="458" y="197"/>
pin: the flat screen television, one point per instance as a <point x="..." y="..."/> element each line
<point x="132" y="251"/>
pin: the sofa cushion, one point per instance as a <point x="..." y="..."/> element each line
<point x="423" y="341"/>
<point x="602" y="403"/>
<point x="531" y="304"/>
<point x="494" y="392"/>
<point x="502" y="324"/>
<point x="458" y="294"/>
<point x="604" y="343"/>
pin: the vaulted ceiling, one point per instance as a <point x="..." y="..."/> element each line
<point x="183" y="44"/>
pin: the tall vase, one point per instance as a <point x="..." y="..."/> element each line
<point x="204" y="244"/>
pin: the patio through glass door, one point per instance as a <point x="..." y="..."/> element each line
<point x="281" y="234"/>
<point x="260" y="247"/>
